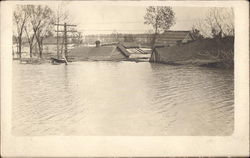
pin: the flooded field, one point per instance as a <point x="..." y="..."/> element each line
<point x="121" y="98"/>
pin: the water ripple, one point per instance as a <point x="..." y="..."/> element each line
<point x="121" y="98"/>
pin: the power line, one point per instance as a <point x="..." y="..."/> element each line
<point x="117" y="22"/>
<point x="110" y="30"/>
<point x="131" y="22"/>
<point x="65" y="38"/>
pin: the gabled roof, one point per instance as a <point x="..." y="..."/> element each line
<point x="171" y="37"/>
<point x="99" y="53"/>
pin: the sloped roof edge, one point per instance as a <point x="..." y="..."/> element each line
<point x="123" y="50"/>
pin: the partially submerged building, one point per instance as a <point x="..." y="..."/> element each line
<point x="99" y="53"/>
<point x="199" y="52"/>
<point x="171" y="38"/>
<point x="110" y="52"/>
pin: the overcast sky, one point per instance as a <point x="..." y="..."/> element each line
<point x="93" y="19"/>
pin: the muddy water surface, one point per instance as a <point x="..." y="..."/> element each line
<point x="121" y="98"/>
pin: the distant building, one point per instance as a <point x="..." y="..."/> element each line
<point x="170" y="38"/>
<point x="112" y="38"/>
<point x="99" y="53"/>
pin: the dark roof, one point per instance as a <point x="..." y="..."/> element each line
<point x="171" y="37"/>
<point x="99" y="53"/>
<point x="102" y="51"/>
<point x="80" y="52"/>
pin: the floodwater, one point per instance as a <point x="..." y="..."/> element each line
<point x="121" y="98"/>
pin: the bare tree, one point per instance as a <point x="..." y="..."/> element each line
<point x="20" y="19"/>
<point x="78" y="38"/>
<point x="195" y="33"/>
<point x="218" y="23"/>
<point x="30" y="37"/>
<point x="160" y="17"/>
<point x="47" y="19"/>
<point x="202" y="27"/>
<point x="41" y="20"/>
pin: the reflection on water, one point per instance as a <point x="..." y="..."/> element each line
<point x="121" y="98"/>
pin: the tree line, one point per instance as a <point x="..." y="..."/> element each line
<point x="218" y="23"/>
<point x="34" y="23"/>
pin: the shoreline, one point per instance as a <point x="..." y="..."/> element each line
<point x="195" y="63"/>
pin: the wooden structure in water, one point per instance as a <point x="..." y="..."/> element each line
<point x="56" y="61"/>
<point x="64" y="58"/>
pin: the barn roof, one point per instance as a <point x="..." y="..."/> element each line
<point x="100" y="53"/>
<point x="171" y="37"/>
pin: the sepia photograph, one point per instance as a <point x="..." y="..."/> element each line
<point x="109" y="69"/>
<point x="156" y="70"/>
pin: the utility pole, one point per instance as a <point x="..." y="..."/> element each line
<point x="65" y="38"/>
<point x="65" y="42"/>
<point x="57" y="38"/>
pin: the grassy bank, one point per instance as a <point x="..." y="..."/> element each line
<point x="206" y="52"/>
